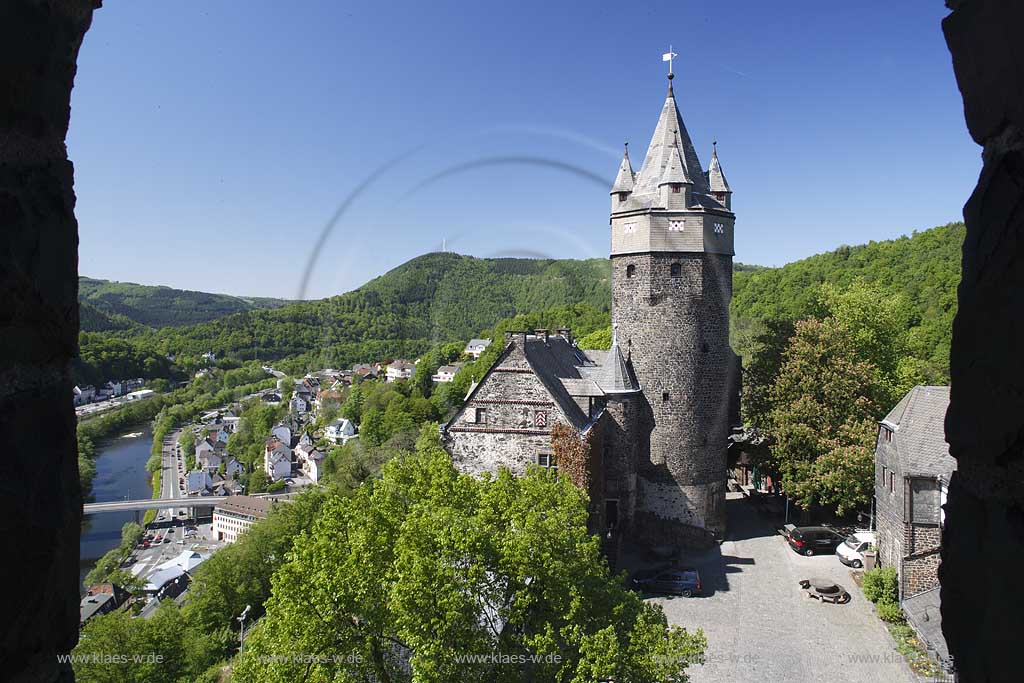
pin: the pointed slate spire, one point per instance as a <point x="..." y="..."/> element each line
<point x="614" y="376"/>
<point x="624" y="180"/>
<point x="716" y="179"/>
<point x="675" y="171"/>
<point x="669" y="140"/>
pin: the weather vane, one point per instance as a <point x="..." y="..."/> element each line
<point x="668" y="57"/>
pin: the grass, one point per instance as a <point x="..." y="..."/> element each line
<point x="913" y="650"/>
<point x="150" y="515"/>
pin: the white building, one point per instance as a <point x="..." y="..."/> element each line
<point x="299" y="405"/>
<point x="340" y="431"/>
<point x="235" y="514"/>
<point x="311" y="461"/>
<point x="476" y="346"/>
<point x="445" y="373"/>
<point x="400" y="369"/>
<point x="277" y="460"/>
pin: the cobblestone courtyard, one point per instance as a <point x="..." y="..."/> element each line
<point x="759" y="625"/>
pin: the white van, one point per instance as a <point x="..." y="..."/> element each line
<point x="851" y="551"/>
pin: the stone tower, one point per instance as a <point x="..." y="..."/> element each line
<point x="671" y="253"/>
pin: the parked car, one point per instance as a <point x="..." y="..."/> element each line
<point x="684" y="581"/>
<point x="813" y="540"/>
<point x="851" y="551"/>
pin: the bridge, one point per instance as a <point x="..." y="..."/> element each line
<point x="166" y="503"/>
<point x="150" y="504"/>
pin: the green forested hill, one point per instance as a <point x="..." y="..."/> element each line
<point x="444" y="297"/>
<point x="107" y="305"/>
<point x="433" y="298"/>
<point x="924" y="268"/>
<point x="92" y="319"/>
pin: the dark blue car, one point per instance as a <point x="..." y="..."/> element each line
<point x="684" y="581"/>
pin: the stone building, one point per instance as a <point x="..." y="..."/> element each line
<point x="656" y="410"/>
<point x="912" y="471"/>
<point x="913" y="468"/>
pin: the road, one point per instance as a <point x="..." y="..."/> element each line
<point x="761" y="627"/>
<point x="170" y="471"/>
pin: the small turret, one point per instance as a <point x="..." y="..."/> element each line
<point x="675" y="185"/>
<point x="624" y="181"/>
<point x="716" y="180"/>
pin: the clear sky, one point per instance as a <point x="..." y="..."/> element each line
<point x="213" y="141"/>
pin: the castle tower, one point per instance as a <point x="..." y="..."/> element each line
<point x="671" y="253"/>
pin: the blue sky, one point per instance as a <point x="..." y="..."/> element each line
<point x="212" y="142"/>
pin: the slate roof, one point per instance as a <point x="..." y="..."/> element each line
<point x="624" y="179"/>
<point x="675" y="171"/>
<point x="669" y="135"/>
<point x="716" y="178"/>
<point x="246" y="505"/>
<point x="918" y="426"/>
<point x="554" y="361"/>
<point x="614" y="375"/>
<point x="923" y="613"/>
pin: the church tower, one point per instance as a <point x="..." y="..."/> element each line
<point x="671" y="252"/>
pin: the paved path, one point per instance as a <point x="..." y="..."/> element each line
<point x="759" y="625"/>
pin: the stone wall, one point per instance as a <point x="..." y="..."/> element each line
<point x="676" y="330"/>
<point x="983" y="541"/>
<point x="889" y="518"/>
<point x="921" y="565"/>
<point x="40" y="501"/>
<point x="510" y="394"/>
<point x="622" y="440"/>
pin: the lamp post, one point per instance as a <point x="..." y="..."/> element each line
<point x="241" y="632"/>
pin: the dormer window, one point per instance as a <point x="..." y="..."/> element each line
<point x="720" y="196"/>
<point x="622" y="196"/>
<point x="630" y="270"/>
<point x="676" y="188"/>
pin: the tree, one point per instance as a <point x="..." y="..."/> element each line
<point x="825" y="405"/>
<point x="598" y="339"/>
<point x="117" y="648"/>
<point x="372" y="428"/>
<point x="428" y="567"/>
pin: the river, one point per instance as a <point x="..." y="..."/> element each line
<point x="120" y="474"/>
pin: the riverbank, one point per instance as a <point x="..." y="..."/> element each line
<point x="120" y="461"/>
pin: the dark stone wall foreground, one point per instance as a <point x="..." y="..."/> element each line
<point x="40" y="501"/>
<point x="983" y="541"/>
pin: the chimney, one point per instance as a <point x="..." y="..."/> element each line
<point x="566" y="334"/>
<point x="542" y="334"/>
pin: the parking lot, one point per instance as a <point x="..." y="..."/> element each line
<point x="761" y="627"/>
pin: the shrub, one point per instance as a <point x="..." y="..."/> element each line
<point x="880" y="585"/>
<point x="889" y="612"/>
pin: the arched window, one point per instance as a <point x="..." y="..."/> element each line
<point x="630" y="270"/>
<point x="676" y="270"/>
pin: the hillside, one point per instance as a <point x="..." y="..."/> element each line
<point x="924" y="267"/>
<point x="110" y="305"/>
<point x="433" y="298"/>
<point x="444" y="297"/>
